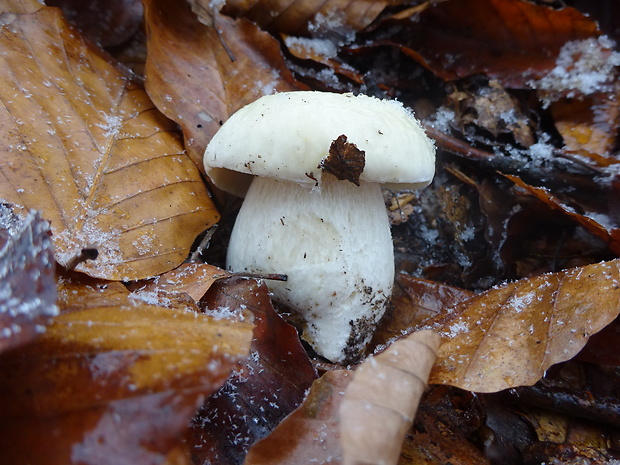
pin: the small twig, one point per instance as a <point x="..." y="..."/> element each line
<point x="90" y="253"/>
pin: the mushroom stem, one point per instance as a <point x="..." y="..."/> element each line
<point x="334" y="244"/>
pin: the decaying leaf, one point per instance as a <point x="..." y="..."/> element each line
<point x="86" y="146"/>
<point x="381" y="400"/>
<point x="267" y="387"/>
<point x="510" y="335"/>
<point x="113" y="380"/>
<point x="308" y="434"/>
<point x="300" y="17"/>
<point x="345" y="161"/>
<point x="27" y="281"/>
<point x="510" y="40"/>
<point x="199" y="75"/>
<point x="599" y="224"/>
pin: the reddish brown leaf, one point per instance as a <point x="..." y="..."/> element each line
<point x="112" y="381"/>
<point x="199" y="75"/>
<point x="510" y="335"/>
<point x="27" y="281"/>
<point x="303" y="17"/>
<point x="597" y="223"/>
<point x="86" y="147"/>
<point x="270" y="384"/>
<point x="308" y="434"/>
<point x="513" y="41"/>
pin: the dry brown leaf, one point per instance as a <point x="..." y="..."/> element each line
<point x="303" y="17"/>
<point x="510" y="335"/>
<point x="113" y="380"/>
<point x="381" y="401"/>
<point x="511" y="40"/>
<point x="85" y="146"/>
<point x="193" y="279"/>
<point x="27" y="280"/>
<point x="309" y="433"/>
<point x="199" y="75"/>
<point x="598" y="224"/>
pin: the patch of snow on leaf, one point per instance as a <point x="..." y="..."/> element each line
<point x="323" y="47"/>
<point x="582" y="67"/>
<point x="111" y="126"/>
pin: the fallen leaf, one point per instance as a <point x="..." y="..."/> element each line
<point x="381" y="400"/>
<point x="510" y="335"/>
<point x="85" y="146"/>
<point x="113" y="380"/>
<point x="267" y="387"/>
<point x="512" y="41"/>
<point x="598" y="223"/>
<point x="27" y="280"/>
<point x="193" y="279"/>
<point x="109" y="23"/>
<point x="302" y="17"/>
<point x="308" y="434"/>
<point x="199" y="75"/>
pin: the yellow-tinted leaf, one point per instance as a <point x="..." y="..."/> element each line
<point x="199" y="75"/>
<point x="113" y="380"/>
<point x="510" y="335"/>
<point x="84" y="145"/>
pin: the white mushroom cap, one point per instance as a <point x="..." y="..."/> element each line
<point x="287" y="135"/>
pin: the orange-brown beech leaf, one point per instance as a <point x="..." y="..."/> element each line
<point x="381" y="401"/>
<point x="199" y="75"/>
<point x="267" y="387"/>
<point x="414" y="301"/>
<point x="310" y="433"/>
<point x="588" y="124"/>
<point x="113" y="380"/>
<point x="597" y="223"/>
<point x="193" y="279"/>
<point x="84" y="145"/>
<point x="303" y="17"/>
<point x="27" y="280"/>
<point x="513" y="41"/>
<point x="510" y="335"/>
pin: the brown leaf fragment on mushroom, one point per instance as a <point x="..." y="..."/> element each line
<point x="263" y="390"/>
<point x="113" y="380"/>
<point x="381" y="401"/>
<point x="510" y="335"/>
<point x="85" y="146"/>
<point x="345" y="160"/>
<point x="239" y="61"/>
<point x="27" y="281"/>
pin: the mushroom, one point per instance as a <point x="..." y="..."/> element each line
<point x="310" y="166"/>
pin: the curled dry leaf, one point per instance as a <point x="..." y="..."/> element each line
<point x="380" y="403"/>
<point x="199" y="75"/>
<point x="459" y="38"/>
<point x="510" y="335"/>
<point x="86" y="146"/>
<point x="113" y="380"/>
<point x="598" y="224"/>
<point x="27" y="281"/>
<point x="267" y="387"/>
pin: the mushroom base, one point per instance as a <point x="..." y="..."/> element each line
<point x="335" y="246"/>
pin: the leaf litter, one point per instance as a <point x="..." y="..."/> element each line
<point x="524" y="194"/>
